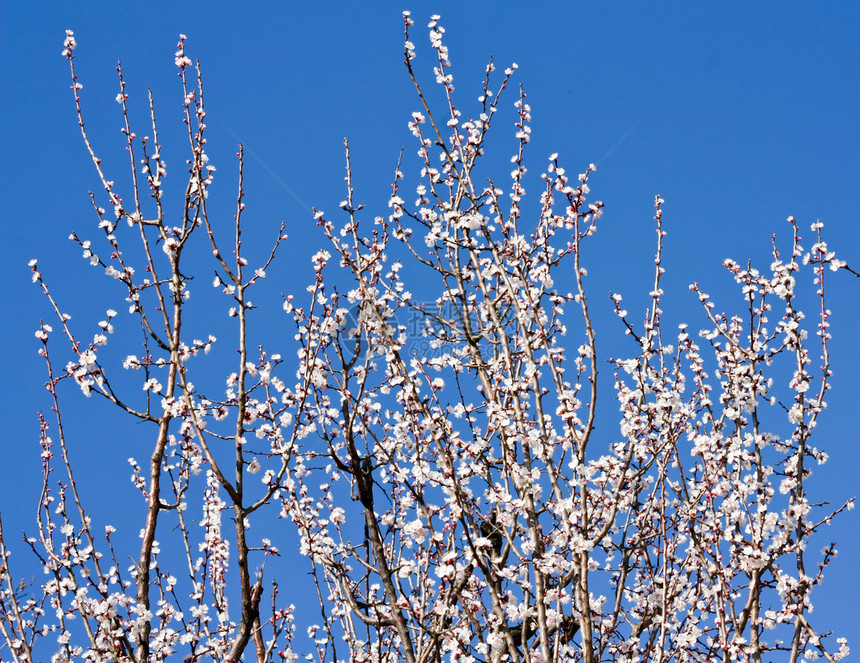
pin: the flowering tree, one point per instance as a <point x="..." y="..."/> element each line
<point x="451" y="496"/>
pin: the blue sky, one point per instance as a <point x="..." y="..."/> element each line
<point x="738" y="115"/>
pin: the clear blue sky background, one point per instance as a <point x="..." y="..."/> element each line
<point x="741" y="115"/>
